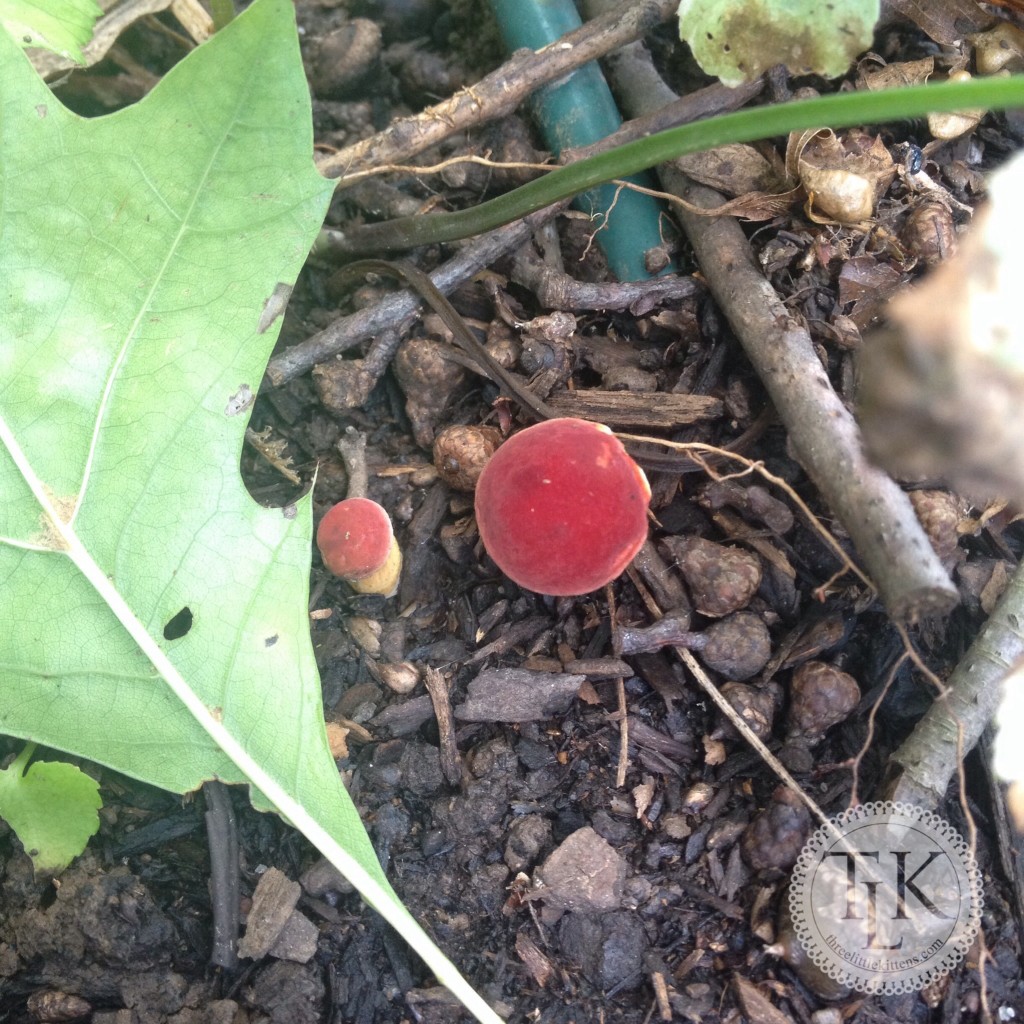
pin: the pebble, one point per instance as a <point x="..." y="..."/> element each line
<point x="584" y="874"/>
<point x="609" y="948"/>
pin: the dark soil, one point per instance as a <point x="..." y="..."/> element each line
<point x="685" y="865"/>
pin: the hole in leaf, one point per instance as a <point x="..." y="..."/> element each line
<point x="178" y="625"/>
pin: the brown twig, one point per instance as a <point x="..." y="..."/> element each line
<point x="622" y="712"/>
<point x="462" y="337"/>
<point x="370" y="239"/>
<point x="878" y="515"/>
<point x="222" y="836"/>
<point x="451" y="760"/>
<point x="349" y="331"/>
<point x="556" y="290"/>
<point x="351" y="447"/>
<point x="741" y="726"/>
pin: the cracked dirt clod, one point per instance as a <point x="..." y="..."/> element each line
<point x="608" y="947"/>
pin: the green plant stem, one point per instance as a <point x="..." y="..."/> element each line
<point x="20" y="763"/>
<point x="841" y="110"/>
<point x="289" y="808"/>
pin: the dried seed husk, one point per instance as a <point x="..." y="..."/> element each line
<point x="821" y="696"/>
<point x="721" y="579"/>
<point x="461" y="452"/>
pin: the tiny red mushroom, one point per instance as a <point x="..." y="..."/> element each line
<point x="357" y="543"/>
<point x="562" y="508"/>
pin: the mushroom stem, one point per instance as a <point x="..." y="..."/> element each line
<point x="352" y="449"/>
<point x="384" y="581"/>
<point x="673" y="629"/>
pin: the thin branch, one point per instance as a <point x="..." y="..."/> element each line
<point x="955" y="721"/>
<point x="875" y="511"/>
<point x="737" y="721"/>
<point x="349" y="331"/>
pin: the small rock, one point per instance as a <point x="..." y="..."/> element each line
<point x="287" y="993"/>
<point x="323" y="878"/>
<point x="609" y="948"/>
<point x="583" y="874"/>
<point x="420" y="765"/>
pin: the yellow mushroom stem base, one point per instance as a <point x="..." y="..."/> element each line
<point x="384" y="581"/>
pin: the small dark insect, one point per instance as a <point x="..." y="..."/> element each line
<point x="914" y="159"/>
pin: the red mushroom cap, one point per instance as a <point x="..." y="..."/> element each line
<point x="354" y="538"/>
<point x="562" y="508"/>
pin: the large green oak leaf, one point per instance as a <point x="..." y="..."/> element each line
<point x="63" y="26"/>
<point x="138" y="255"/>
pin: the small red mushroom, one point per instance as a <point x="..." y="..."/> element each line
<point x="357" y="543"/>
<point x="562" y="508"/>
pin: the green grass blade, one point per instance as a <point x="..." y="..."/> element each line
<point x="837" y="111"/>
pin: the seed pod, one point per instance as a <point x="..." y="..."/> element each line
<point x="721" y="579"/>
<point x="461" y="452"/>
<point x="756" y="706"/>
<point x="947" y="125"/>
<point x="1002" y="47"/>
<point x="401" y="677"/>
<point x="929" y="234"/>
<point x="774" y="839"/>
<point x="345" y="57"/>
<point x="821" y="696"/>
<point x="55" y="1006"/>
<point x="430" y="379"/>
<point x="844" y="176"/>
<point x="940" y="517"/>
